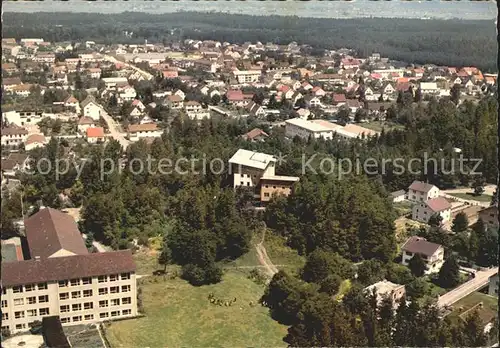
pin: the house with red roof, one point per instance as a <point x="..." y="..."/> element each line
<point x="431" y="253"/>
<point x="95" y="135"/>
<point x="424" y="210"/>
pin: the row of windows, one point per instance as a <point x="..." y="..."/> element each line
<point x="27" y="288"/>
<point x="29" y="313"/>
<point x="282" y="187"/>
<point x="90" y="305"/>
<point x="103" y="315"/>
<point x="88" y="280"/>
<point x="114" y="289"/>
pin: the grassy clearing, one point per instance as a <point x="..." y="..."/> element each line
<point x="178" y="314"/>
<point x="378" y="126"/>
<point x="345" y="286"/>
<point x="403" y="208"/>
<point x="487" y="312"/>
<point x="472" y="197"/>
<point x="283" y="256"/>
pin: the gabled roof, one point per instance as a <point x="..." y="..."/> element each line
<point x="421" y="186"/>
<point x="95" y="132"/>
<point x="438" y="204"/>
<point x="88" y="100"/>
<point x="51" y="230"/>
<point x="86" y="120"/>
<point x="420" y="245"/>
<point x="146" y="127"/>
<point x="67" y="267"/>
<point x="255" y="133"/>
<point x="35" y="138"/>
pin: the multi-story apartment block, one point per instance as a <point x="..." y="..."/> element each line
<point x="257" y="170"/>
<point x="247" y="76"/>
<point x="61" y="277"/>
<point x="13" y="136"/>
<point x="420" y="192"/>
<point x="431" y="253"/>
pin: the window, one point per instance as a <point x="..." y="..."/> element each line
<point x="103" y="315"/>
<point x="20" y="326"/>
<point x="5" y="316"/>
<point x="126" y="312"/>
<point x="77" y="318"/>
<point x="17" y="289"/>
<point x="408" y="253"/>
<point x="64" y="309"/>
<point x="30" y="287"/>
<point x="18" y="301"/>
<point x="126" y="300"/>
<point x="31" y="300"/>
<point x="103" y="291"/>
<point x="76" y="307"/>
<point x="88" y="317"/>
<point x="64" y="320"/>
<point x="125" y="288"/>
<point x="115" y="302"/>
<point x="87" y="293"/>
<point x="76" y="294"/>
<point x="115" y="313"/>
<point x="86" y="281"/>
<point x="64" y="295"/>
<point x="248" y="183"/>
<point x="114" y="289"/>
<point x="43" y="299"/>
<point x="88" y="305"/>
<point x="63" y="283"/>
<point x="42" y="286"/>
<point x="103" y="303"/>
<point x="102" y="279"/>
<point x="19" y="315"/>
<point x="274" y="187"/>
<point x="267" y="186"/>
<point x="32" y="312"/>
<point x="266" y="194"/>
<point x="241" y="182"/>
<point x="125" y="276"/>
<point x="75" y="282"/>
<point x="4" y="303"/>
<point x="113" y="277"/>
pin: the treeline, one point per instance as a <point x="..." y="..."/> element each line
<point x="363" y="320"/>
<point x="442" y="42"/>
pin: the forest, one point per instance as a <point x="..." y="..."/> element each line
<point x="441" y="42"/>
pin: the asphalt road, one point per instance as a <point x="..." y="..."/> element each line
<point x="114" y="130"/>
<point x="465" y="289"/>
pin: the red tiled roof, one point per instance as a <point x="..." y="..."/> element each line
<point x="35" y="138"/>
<point x="95" y="132"/>
<point x="419" y="245"/>
<point x="146" y="127"/>
<point x="255" y="133"/>
<point x="234" y="95"/>
<point x="420" y="186"/>
<point x="51" y="230"/>
<point x="339" y="98"/>
<point x="438" y="204"/>
<point x="67" y="267"/>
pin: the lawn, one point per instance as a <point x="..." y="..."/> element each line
<point x="471" y="196"/>
<point x="378" y="125"/>
<point x="178" y="314"/>
<point x="403" y="208"/>
<point x="488" y="311"/>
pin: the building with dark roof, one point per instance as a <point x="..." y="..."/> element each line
<point x="431" y="253"/>
<point x="60" y="277"/>
<point x="420" y="191"/>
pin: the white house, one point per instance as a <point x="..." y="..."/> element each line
<point x="249" y="166"/>
<point x="22" y="118"/>
<point x="180" y="94"/>
<point x="34" y="140"/>
<point x="128" y="93"/>
<point x="422" y="211"/>
<point x="247" y="76"/>
<point x="146" y="130"/>
<point x="431" y="253"/>
<point x="72" y="102"/>
<point x="429" y="88"/>
<point x="84" y="123"/>
<point x="398" y="196"/>
<point x="91" y="109"/>
<point x="95" y="135"/>
<point x="420" y="192"/>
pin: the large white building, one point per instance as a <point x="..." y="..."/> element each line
<point x="13" y="136"/>
<point x="431" y="253"/>
<point x="420" y="192"/>
<point x="247" y="76"/>
<point x="249" y="166"/>
<point x="422" y="211"/>
<point x="305" y="129"/>
<point x="22" y="118"/>
<point x="61" y="277"/>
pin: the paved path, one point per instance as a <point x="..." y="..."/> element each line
<point x="114" y="130"/>
<point x="488" y="190"/>
<point x="480" y="280"/>
<point x="468" y="201"/>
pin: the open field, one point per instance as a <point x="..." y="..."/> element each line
<point x="178" y="314"/>
<point x="378" y="126"/>
<point x="472" y="197"/>
<point x="487" y="312"/>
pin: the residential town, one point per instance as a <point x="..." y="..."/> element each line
<point x="85" y="100"/>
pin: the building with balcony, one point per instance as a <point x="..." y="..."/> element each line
<point x="60" y="277"/>
<point x="431" y="253"/>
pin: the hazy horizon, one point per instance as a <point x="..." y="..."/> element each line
<point x="471" y="10"/>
